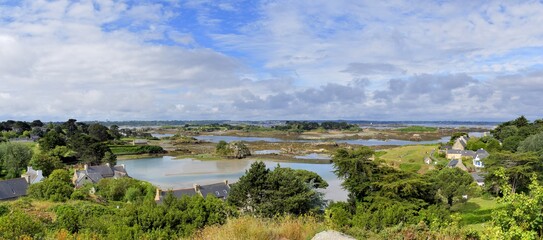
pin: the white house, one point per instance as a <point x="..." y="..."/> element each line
<point x="32" y="176"/>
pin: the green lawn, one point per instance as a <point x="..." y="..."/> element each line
<point x="409" y="158"/>
<point x="476" y="211"/>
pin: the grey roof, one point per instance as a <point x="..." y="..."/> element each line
<point x="13" y="188"/>
<point x="478" y="177"/>
<point x="464" y="153"/>
<point x="453" y="163"/>
<point x="481" y="153"/>
<point x="104" y="170"/>
<point x="95" y="173"/>
<point x="219" y="190"/>
<point x="119" y="168"/>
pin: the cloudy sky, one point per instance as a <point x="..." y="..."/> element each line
<point x="270" y="59"/>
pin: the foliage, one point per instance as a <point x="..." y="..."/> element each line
<point x="17" y="224"/>
<point x="533" y="143"/>
<point x="451" y="184"/>
<point x="300" y="126"/>
<point x="267" y="193"/>
<point x="521" y="217"/>
<point x="236" y="149"/>
<point x="417" y="129"/>
<point x="45" y="162"/>
<point x="519" y="168"/>
<point x="51" y="140"/>
<point x="57" y="187"/>
<point x="131" y="149"/>
<point x="14" y="158"/>
<point x="124" y="189"/>
<point x="222" y="148"/>
<point x="99" y="132"/>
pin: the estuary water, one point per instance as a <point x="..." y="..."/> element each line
<point x="169" y="173"/>
<point x="366" y="142"/>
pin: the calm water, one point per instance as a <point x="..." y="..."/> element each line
<point x="366" y="142"/>
<point x="168" y="173"/>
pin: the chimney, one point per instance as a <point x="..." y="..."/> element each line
<point x="197" y="187"/>
<point x="86" y="166"/>
<point x="27" y="178"/>
<point x="226" y="182"/>
<point x="157" y="196"/>
<point x="107" y="164"/>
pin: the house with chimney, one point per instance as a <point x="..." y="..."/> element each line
<point x="218" y="190"/>
<point x="12" y="189"/>
<point x="93" y="174"/>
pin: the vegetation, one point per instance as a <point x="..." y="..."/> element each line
<point x="417" y="129"/>
<point x="14" y="158"/>
<point x="265" y="192"/>
<point x="297" y="126"/>
<point x="236" y="149"/>
<point x="131" y="149"/>
<point x="389" y="196"/>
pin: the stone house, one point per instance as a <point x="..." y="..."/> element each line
<point x="460" y="143"/>
<point x="457" y="163"/>
<point x="32" y="176"/>
<point x="93" y="174"/>
<point x="218" y="190"/>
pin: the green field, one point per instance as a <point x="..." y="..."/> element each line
<point x="476" y="211"/>
<point x="409" y="158"/>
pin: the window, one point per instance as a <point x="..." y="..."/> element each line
<point x="217" y="193"/>
<point x="225" y="192"/>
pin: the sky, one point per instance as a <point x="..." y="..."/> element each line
<point x="271" y="59"/>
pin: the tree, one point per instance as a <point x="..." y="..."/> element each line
<point x="14" y="158"/>
<point x="57" y="187"/>
<point x="521" y="214"/>
<point x="51" y="140"/>
<point x="533" y="143"/>
<point x="475" y="144"/>
<point x="249" y="192"/>
<point x="452" y="183"/>
<point x="46" y="163"/>
<point x="357" y="170"/>
<point x="70" y="127"/>
<point x="99" y="132"/>
<point x="267" y="193"/>
<point x="36" y="123"/>
<point x="114" y="132"/>
<point x="519" y="167"/>
<point x="511" y="143"/>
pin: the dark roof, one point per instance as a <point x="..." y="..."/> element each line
<point x="104" y="170"/>
<point x="219" y="190"/>
<point x="13" y="188"/>
<point x="478" y="177"/>
<point x="452" y="163"/>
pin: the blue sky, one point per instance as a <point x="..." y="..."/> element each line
<point x="272" y="59"/>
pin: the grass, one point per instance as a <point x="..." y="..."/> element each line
<point x="247" y="228"/>
<point x="410" y="167"/>
<point x="409" y="158"/>
<point x="417" y="129"/>
<point x="476" y="211"/>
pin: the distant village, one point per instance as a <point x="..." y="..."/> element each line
<point x="458" y="152"/>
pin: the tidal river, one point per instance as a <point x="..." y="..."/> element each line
<point x="169" y="173"/>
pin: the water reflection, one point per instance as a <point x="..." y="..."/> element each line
<point x="169" y="173"/>
<point x="366" y="142"/>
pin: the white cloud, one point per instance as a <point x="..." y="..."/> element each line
<point x="304" y="59"/>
